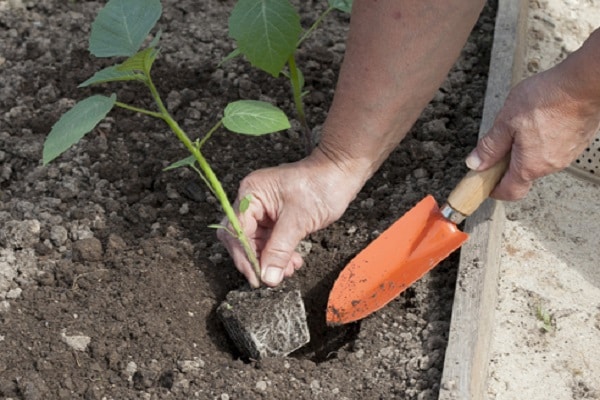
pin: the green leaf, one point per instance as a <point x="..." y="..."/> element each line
<point x="75" y="123"/>
<point x="186" y="162"/>
<point x="111" y="74"/>
<point x="245" y="203"/>
<point x="266" y="32"/>
<point x="341" y="5"/>
<point x="122" y="26"/>
<point x="251" y="117"/>
<point x="141" y="61"/>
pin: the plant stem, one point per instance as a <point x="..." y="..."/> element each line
<point x="314" y="26"/>
<point x="209" y="134"/>
<point x="297" y="92"/>
<point x="139" y="110"/>
<point x="211" y="179"/>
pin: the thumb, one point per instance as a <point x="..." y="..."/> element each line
<point x="278" y="251"/>
<point x="490" y="149"/>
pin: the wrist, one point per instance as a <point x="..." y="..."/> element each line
<point x="343" y="177"/>
<point x="580" y="73"/>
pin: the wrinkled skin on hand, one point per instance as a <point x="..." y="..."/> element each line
<point x="544" y="126"/>
<point x="288" y="202"/>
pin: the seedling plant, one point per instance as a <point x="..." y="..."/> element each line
<point x="268" y="33"/>
<point x="545" y="317"/>
<point x="120" y="30"/>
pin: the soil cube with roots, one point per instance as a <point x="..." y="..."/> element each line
<point x="266" y="322"/>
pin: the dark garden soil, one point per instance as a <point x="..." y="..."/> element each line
<point x="109" y="276"/>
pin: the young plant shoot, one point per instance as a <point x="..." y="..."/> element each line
<point x="119" y="30"/>
<point x="268" y="33"/>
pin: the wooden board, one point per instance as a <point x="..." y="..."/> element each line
<point x="467" y="355"/>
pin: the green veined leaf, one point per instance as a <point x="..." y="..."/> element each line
<point x="251" y="117"/>
<point x="186" y="162"/>
<point x="111" y="74"/>
<point x="266" y="32"/>
<point x="141" y="61"/>
<point x="75" y="123"/>
<point x="245" y="203"/>
<point x="122" y="26"/>
<point x="342" y="5"/>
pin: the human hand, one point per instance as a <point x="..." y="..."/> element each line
<point x="287" y="203"/>
<point x="544" y="125"/>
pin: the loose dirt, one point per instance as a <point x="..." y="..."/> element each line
<point x="109" y="276"/>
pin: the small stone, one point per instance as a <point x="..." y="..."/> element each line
<point x="58" y="235"/>
<point x="187" y="366"/>
<point x="420" y="173"/>
<point x="449" y="385"/>
<point x="184" y="209"/>
<point x="14" y="293"/>
<point x="387" y="351"/>
<point x="426" y="394"/>
<point x="182" y="385"/>
<point x="87" y="250"/>
<point x="4" y="306"/>
<point x="368" y="203"/>
<point x="425" y="362"/>
<point x="20" y="234"/>
<point x="130" y="369"/>
<point x="76" y="342"/>
<point x="81" y="232"/>
<point x="16" y="4"/>
<point x="304" y="248"/>
<point x="115" y="243"/>
<point x="32" y="387"/>
<point x="261" y="385"/>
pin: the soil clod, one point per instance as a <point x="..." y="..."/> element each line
<point x="266" y="322"/>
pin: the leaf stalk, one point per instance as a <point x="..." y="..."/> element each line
<point x="208" y="174"/>
<point x="297" y="93"/>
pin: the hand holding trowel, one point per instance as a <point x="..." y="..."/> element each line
<point x="408" y="249"/>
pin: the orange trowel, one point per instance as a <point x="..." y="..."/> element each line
<point x="408" y="249"/>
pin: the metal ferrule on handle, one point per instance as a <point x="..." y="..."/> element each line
<point x="473" y="189"/>
<point x="451" y="214"/>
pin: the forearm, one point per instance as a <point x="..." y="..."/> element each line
<point x="581" y="72"/>
<point x="398" y="54"/>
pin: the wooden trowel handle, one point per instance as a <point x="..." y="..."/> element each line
<point x="475" y="187"/>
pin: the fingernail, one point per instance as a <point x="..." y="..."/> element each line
<point x="473" y="161"/>
<point x="272" y="275"/>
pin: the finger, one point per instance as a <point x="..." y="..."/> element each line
<point x="239" y="257"/>
<point x="490" y="149"/>
<point x="297" y="260"/>
<point x="512" y="187"/>
<point x="279" y="250"/>
<point x="248" y="224"/>
<point x="294" y="264"/>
